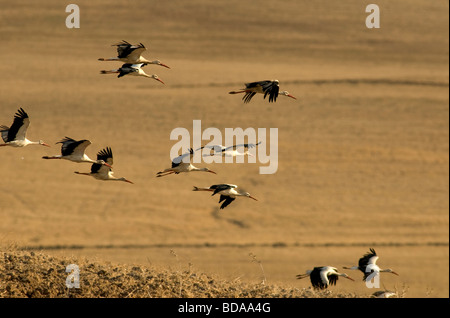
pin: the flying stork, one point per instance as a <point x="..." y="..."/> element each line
<point x="16" y="135"/>
<point x="73" y="150"/>
<point x="101" y="172"/>
<point x="231" y="151"/>
<point x="179" y="166"/>
<point x="228" y="193"/>
<point x="132" y="69"/>
<point x="129" y="53"/>
<point x="323" y="276"/>
<point x="367" y="265"/>
<point x="271" y="88"/>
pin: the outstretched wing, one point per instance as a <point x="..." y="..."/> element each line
<point x="215" y="148"/>
<point x="227" y="200"/>
<point x="105" y="155"/>
<point x="248" y="146"/>
<point x="368" y="258"/>
<point x="272" y="88"/>
<point x="75" y="147"/>
<point x="125" y="49"/>
<point x="4" y="130"/>
<point x="332" y="279"/>
<point x="317" y="279"/>
<point x="18" y="129"/>
<point x="248" y="97"/>
<point x="261" y="84"/>
<point x="220" y="187"/>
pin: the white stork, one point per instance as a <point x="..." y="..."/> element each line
<point x="228" y="193"/>
<point x="384" y="294"/>
<point x="179" y="166"/>
<point x="101" y="172"/>
<point x="131" y="69"/>
<point x="231" y="151"/>
<point x="271" y="88"/>
<point x="16" y="135"/>
<point x="132" y="54"/>
<point x="323" y="276"/>
<point x="73" y="150"/>
<point x="367" y="265"/>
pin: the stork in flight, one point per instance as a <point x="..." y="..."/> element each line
<point x="16" y="135"/>
<point x="101" y="172"/>
<point x="228" y="193"/>
<point x="132" y="69"/>
<point x="231" y="151"/>
<point x="73" y="150"/>
<point x="323" y="276"/>
<point x="179" y="166"/>
<point x="132" y="54"/>
<point x="270" y="88"/>
<point x="367" y="265"/>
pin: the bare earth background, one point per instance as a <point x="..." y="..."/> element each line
<point x="363" y="152"/>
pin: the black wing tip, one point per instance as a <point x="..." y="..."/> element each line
<point x="66" y="139"/>
<point x="21" y="113"/>
<point x="105" y="153"/>
<point x="121" y="43"/>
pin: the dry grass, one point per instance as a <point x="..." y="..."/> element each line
<point x="39" y="275"/>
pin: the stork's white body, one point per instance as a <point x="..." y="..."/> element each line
<point x="133" y="70"/>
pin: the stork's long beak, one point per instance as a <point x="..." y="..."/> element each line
<point x="395" y="273"/>
<point x="159" y="80"/>
<point x="289" y="95"/>
<point x="45" y="144"/>
<point x="129" y="181"/>
<point x="212" y="171"/>
<point x="108" y="165"/>
<point x="252" y="198"/>
<point x="164" y="65"/>
<point x="349" y="278"/>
